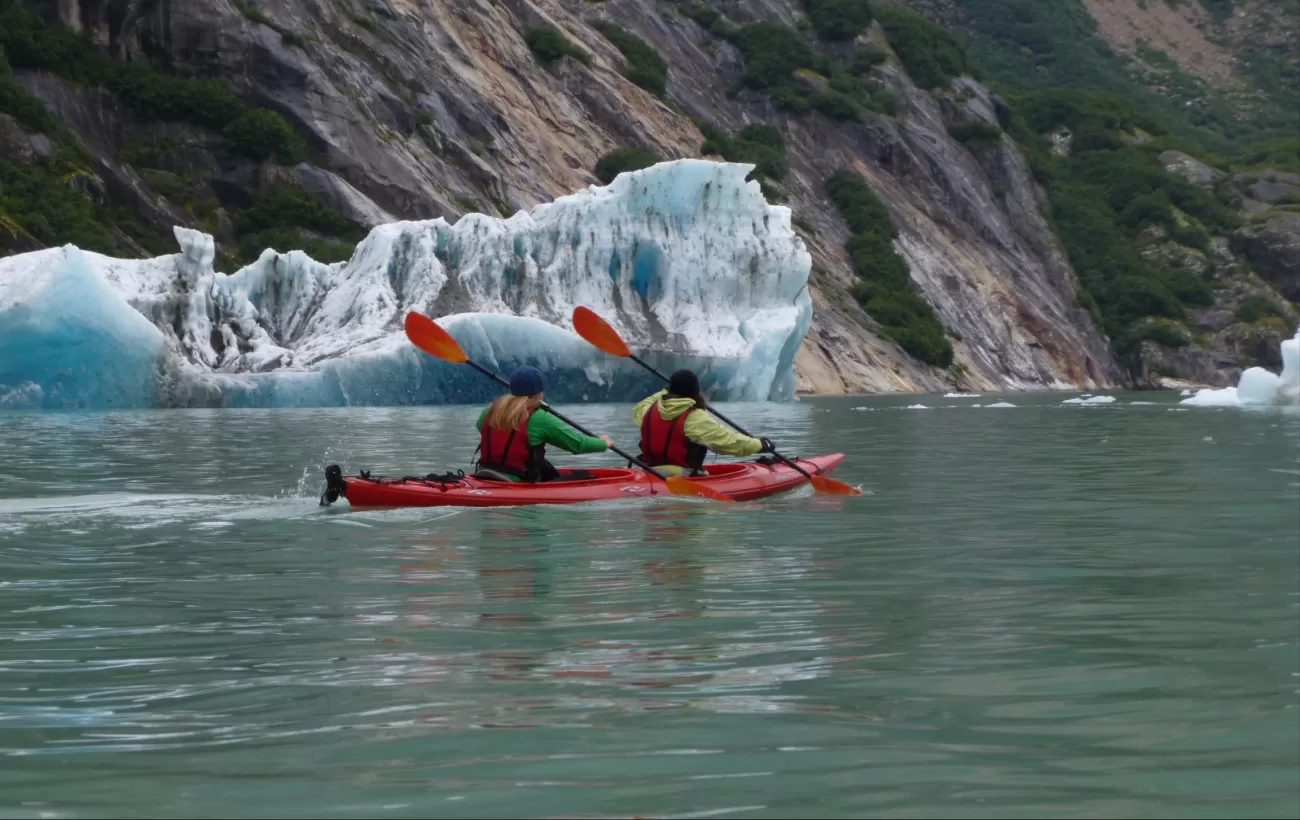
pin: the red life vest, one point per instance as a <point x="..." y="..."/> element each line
<point x="665" y="442"/>
<point x="510" y="452"/>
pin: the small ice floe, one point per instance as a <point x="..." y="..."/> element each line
<point x="1086" y="399"/>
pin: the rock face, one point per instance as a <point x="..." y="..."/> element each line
<point x="424" y="108"/>
<point x="1190" y="168"/>
<point x="1273" y="247"/>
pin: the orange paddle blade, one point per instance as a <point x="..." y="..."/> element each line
<point x="598" y="332"/>
<point x="427" y="335"/>
<point x="684" y="486"/>
<point x="830" y="486"/>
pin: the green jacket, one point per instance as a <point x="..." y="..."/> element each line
<point x="701" y="428"/>
<point x="543" y="428"/>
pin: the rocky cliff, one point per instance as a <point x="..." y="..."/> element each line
<point x="420" y="108"/>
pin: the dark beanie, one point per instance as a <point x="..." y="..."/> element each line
<point x="527" y="381"/>
<point x="684" y="383"/>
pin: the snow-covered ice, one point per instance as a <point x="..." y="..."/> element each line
<point x="1258" y="387"/>
<point x="1000" y="404"/>
<point x="686" y="259"/>
<point x="1090" y="400"/>
<point x="961" y="395"/>
<point x="916" y="407"/>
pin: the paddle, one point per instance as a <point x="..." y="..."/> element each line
<point x="427" y="335"/>
<point x="598" y="332"/>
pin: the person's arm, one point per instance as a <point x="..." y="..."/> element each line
<point x="643" y="407"/>
<point x="543" y="428"/>
<point x="702" y="428"/>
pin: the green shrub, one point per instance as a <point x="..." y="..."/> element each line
<point x="1255" y="307"/>
<point x="837" y="20"/>
<point x="549" y="45"/>
<point x="707" y="16"/>
<point x="1163" y="333"/>
<point x="158" y="97"/>
<point x="252" y="12"/>
<point x="260" y="134"/>
<point x="36" y="199"/>
<point x="930" y="54"/>
<point x="467" y="204"/>
<point x="834" y="105"/>
<point x="803" y="224"/>
<point x="885" y="102"/>
<point x="858" y="205"/>
<point x="974" y="131"/>
<point x="1190" y="288"/>
<point x="45" y="206"/>
<point x="758" y="144"/>
<point x="885" y="288"/>
<point x="1103" y="195"/>
<point x="287" y="218"/>
<point x="773" y="53"/>
<point x="644" y="65"/>
<point x="1189" y="236"/>
<point x="16" y="101"/>
<point x="624" y="159"/>
<point x="1037" y="45"/>
<point x="866" y="60"/>
<point x="151" y="95"/>
<point x="1283" y="154"/>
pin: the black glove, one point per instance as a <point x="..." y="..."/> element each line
<point x="768" y="446"/>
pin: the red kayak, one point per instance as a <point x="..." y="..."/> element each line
<point x="742" y="481"/>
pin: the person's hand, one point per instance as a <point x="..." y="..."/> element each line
<point x="609" y="442"/>
<point x="768" y="446"/>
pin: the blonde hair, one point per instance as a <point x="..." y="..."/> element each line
<point x="508" y="412"/>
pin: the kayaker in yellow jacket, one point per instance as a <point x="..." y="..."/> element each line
<point x="677" y="431"/>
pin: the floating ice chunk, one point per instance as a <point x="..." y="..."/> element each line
<point x="1187" y="393"/>
<point x="916" y="407"/>
<point x="1000" y="404"/>
<point x="1136" y="403"/>
<point x="1258" y="387"/>
<point x="69" y="339"/>
<point x="686" y="259"/>
<point x="1090" y="400"/>
<point x="1224" y="397"/>
<point x="961" y="395"/>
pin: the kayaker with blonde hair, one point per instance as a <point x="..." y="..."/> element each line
<point x="514" y="431"/>
<point x="677" y="431"/>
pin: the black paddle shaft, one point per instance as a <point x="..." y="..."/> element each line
<point x="725" y="420"/>
<point x="638" y="462"/>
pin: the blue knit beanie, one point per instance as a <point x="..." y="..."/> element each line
<point x="527" y="381"/>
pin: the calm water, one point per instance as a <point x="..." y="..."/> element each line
<point x="1039" y="610"/>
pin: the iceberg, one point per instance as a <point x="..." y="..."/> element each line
<point x="1091" y="400"/>
<point x="686" y="259"/>
<point x="1258" y="387"/>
